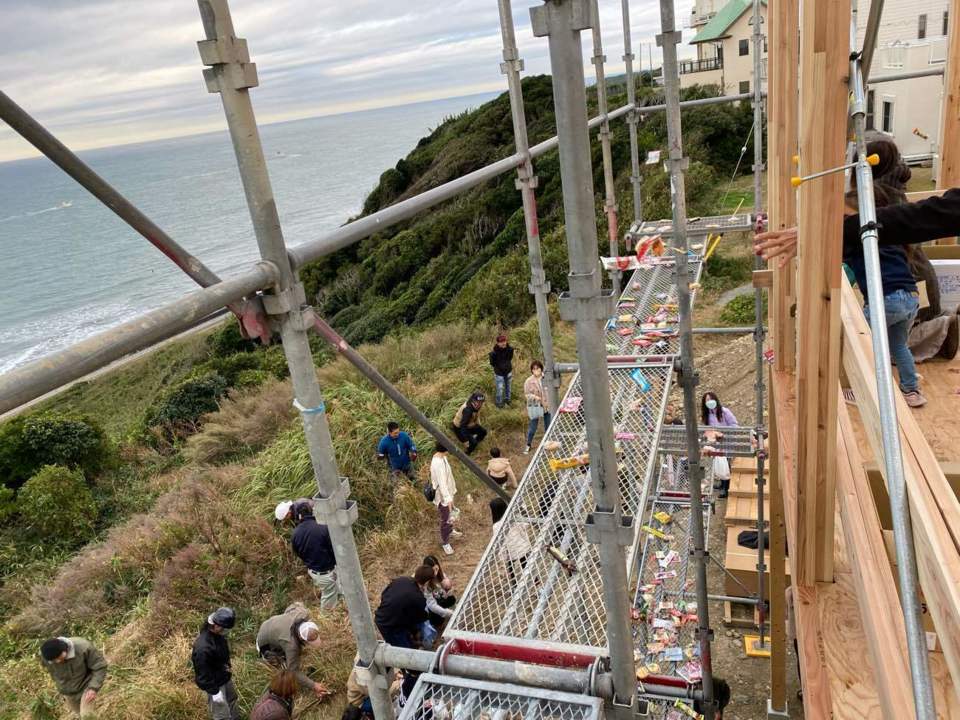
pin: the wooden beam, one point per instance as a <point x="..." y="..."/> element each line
<point x="925" y="194"/>
<point x="763" y="278"/>
<point x="783" y="64"/>
<point x="949" y="175"/>
<point x="824" y="40"/>
<point x="880" y="611"/>
<point x="778" y="581"/>
<point x="934" y="509"/>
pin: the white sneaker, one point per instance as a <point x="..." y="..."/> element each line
<point x="448" y="549"/>
<point x="456" y="533"/>
<point x="526" y="450"/>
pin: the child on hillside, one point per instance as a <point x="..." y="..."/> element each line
<point x="500" y="470"/>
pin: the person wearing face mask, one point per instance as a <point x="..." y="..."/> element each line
<point x="537" y="405"/>
<point x="282" y="639"/>
<point x="211" y="665"/>
<point x="713" y="414"/>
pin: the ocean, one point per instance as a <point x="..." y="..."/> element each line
<point x="70" y="268"/>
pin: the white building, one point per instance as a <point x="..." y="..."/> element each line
<point x="724" y="44"/>
<point x="912" y="36"/>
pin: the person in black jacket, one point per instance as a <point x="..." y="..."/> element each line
<point x="211" y="665"/>
<point x="466" y="423"/>
<point x="501" y="360"/>
<point x="311" y="543"/>
<point x="903" y="224"/>
<point x="403" y="608"/>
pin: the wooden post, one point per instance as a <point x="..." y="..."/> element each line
<point x="778" y="580"/>
<point x="782" y="115"/>
<point x="824" y="53"/>
<point x="949" y="175"/>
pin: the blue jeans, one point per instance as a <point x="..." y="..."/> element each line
<point x="901" y="308"/>
<point x="502" y="384"/>
<point x="532" y="427"/>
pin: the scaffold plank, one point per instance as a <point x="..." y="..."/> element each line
<point x="696" y="227"/>
<point x="455" y="698"/>
<point x="646" y="323"/>
<point x="726" y="441"/>
<point x="520" y="591"/>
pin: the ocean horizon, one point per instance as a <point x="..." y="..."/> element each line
<point x="72" y="268"/>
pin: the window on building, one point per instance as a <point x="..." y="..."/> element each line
<point x="922" y="27"/>
<point x="946" y="22"/>
<point x="894" y="55"/>
<point x="870" y="113"/>
<point x="744" y="47"/>
<point x="887" y="116"/>
<point x="744" y="86"/>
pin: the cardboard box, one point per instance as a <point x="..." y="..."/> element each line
<point x="948" y="274"/>
<point x="741" y="562"/>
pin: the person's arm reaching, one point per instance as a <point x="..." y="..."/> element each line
<point x="912" y="223"/>
<point x="382" y="447"/>
<point x="434" y="607"/>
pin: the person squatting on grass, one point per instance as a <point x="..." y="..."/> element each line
<point x="399" y="450"/>
<point x="311" y="543"/>
<point x="537" y="404"/>
<point x="211" y="665"/>
<point x="78" y="670"/>
<point x="445" y="491"/>
<point x="500" y="471"/>
<point x="439" y="595"/>
<point x="501" y="360"/>
<point x="277" y="702"/>
<point x="466" y="423"/>
<point x="403" y="608"/>
<point x="282" y="639"/>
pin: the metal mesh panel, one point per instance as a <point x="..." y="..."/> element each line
<point x="664" y="634"/>
<point x="736" y="441"/>
<point x="695" y="226"/>
<point x="520" y="590"/>
<point x="649" y="291"/>
<point x="438" y="697"/>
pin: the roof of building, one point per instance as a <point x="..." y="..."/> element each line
<point x="721" y="22"/>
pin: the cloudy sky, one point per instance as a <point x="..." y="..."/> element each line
<point x="106" y="72"/>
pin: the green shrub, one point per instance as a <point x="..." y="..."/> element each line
<point x="275" y="362"/>
<point x="177" y="414"/>
<point x="741" y="310"/>
<point x="250" y="378"/>
<point x="28" y="443"/>
<point x="56" y="505"/>
<point x="228" y="340"/>
<point x="231" y="366"/>
<point x="8" y="505"/>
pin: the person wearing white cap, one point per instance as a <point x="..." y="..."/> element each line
<point x="287" y="509"/>
<point x="282" y="639"/>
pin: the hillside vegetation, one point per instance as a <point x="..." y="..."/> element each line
<point x="133" y="504"/>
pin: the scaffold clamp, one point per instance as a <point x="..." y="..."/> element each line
<point x="337" y="507"/>
<point x="601" y="523"/>
<point x="575" y="307"/>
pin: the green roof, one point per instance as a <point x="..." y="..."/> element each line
<point x="721" y="22"/>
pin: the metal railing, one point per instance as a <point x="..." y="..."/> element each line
<point x="688" y="67"/>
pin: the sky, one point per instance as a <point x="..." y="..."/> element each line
<point x="109" y="72"/>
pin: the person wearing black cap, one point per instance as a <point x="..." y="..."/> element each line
<point x="721" y="696"/>
<point x="78" y="670"/>
<point x="501" y="360"/>
<point x="466" y="423"/>
<point x="211" y="665"/>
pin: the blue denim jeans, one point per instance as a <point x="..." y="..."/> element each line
<point x="502" y="384"/>
<point x="532" y="427"/>
<point x="901" y="308"/>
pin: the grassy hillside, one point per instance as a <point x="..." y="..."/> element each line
<point x="182" y="454"/>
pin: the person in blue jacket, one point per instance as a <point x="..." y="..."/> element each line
<point x="399" y="450"/>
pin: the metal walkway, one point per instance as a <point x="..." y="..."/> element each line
<point x="696" y="227"/>
<point x="520" y="593"/>
<point x="727" y="441"/>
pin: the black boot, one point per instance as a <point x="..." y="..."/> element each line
<point x="724" y="488"/>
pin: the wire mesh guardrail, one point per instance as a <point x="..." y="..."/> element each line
<point x="665" y="607"/>
<point x="647" y="323"/>
<point x="539" y="580"/>
<point x="697" y="227"/>
<point x="726" y="441"/>
<point x="438" y="697"/>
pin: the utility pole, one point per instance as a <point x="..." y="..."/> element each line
<point x="586" y="304"/>
<point x="526" y="183"/>
<point x="231" y="74"/>
<point x="677" y="163"/>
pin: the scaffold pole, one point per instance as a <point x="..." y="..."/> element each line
<point x="632" y="117"/>
<point x="586" y="304"/>
<point x="231" y="75"/>
<point x="527" y="182"/>
<point x="677" y="163"/>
